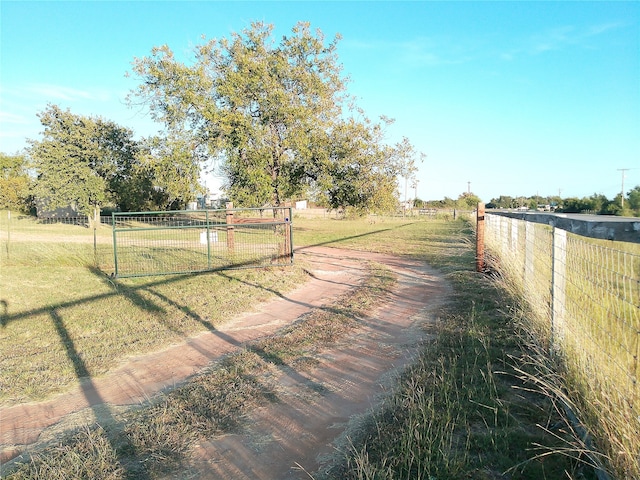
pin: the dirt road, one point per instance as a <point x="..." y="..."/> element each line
<point x="281" y="439"/>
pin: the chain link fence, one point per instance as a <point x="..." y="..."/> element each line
<point x="584" y="295"/>
<point x="160" y="243"/>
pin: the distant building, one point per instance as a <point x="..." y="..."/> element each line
<point x="209" y="200"/>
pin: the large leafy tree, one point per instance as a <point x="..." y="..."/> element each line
<point x="356" y="169"/>
<point x="633" y="199"/>
<point x="15" y="183"/>
<point x="272" y="114"/>
<point x="89" y="163"/>
<point x="82" y="162"/>
<point x="167" y="174"/>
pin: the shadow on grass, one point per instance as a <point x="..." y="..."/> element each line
<point x="91" y="394"/>
<point x="133" y="294"/>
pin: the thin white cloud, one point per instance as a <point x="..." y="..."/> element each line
<point x="603" y="28"/>
<point x="12" y="118"/>
<point x="553" y="39"/>
<point x="69" y="94"/>
<point x="571" y="36"/>
<point x="50" y="93"/>
<point x="559" y="38"/>
<point x="419" y="51"/>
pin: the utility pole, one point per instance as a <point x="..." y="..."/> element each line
<point x="623" y="170"/>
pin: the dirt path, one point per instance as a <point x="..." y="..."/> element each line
<point x="315" y="405"/>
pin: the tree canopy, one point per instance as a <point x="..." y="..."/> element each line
<point x="167" y="174"/>
<point x="90" y="163"/>
<point x="273" y="115"/>
<point x="15" y="183"/>
<point x="595" y="204"/>
<point x="73" y="165"/>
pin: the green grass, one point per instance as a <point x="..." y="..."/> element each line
<point x="595" y="339"/>
<point x="56" y="305"/>
<point x="469" y="407"/>
<point x="150" y="441"/>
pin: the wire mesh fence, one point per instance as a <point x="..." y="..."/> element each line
<point x="585" y="298"/>
<point x="81" y="220"/>
<point x="158" y="243"/>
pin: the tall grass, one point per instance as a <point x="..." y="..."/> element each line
<point x="54" y="300"/>
<point x="592" y="331"/>
<point x="150" y="441"/>
<point x="472" y="405"/>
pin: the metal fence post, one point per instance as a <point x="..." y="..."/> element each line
<point x="529" y="269"/>
<point x="480" y="238"/>
<point x="634" y="401"/>
<point x="115" y="247"/>
<point x="290" y="233"/>
<point x="96" y="222"/>
<point x="206" y="214"/>
<point x="230" y="242"/>
<point x="558" y="284"/>
<point x="514" y="236"/>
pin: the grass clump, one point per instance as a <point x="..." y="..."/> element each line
<point x="87" y="454"/>
<point x="157" y="437"/>
<point x="472" y="406"/>
<point x="153" y="440"/>
<point x="464" y="409"/>
<point x="475" y="405"/>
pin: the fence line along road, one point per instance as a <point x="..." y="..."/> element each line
<point x="584" y="298"/>
<point x="605" y="227"/>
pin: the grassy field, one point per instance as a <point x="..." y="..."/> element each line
<point x="587" y="315"/>
<point x="57" y="305"/>
<point x="475" y="405"/>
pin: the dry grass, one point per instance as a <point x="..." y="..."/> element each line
<point x="466" y="409"/>
<point x="473" y="406"/>
<point x="151" y="441"/>
<point x="593" y="336"/>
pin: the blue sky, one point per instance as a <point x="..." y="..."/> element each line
<point x="517" y="98"/>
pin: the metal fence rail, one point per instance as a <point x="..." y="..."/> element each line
<point x="585" y="295"/>
<point x="190" y="241"/>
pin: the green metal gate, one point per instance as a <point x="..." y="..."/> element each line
<point x="191" y="241"/>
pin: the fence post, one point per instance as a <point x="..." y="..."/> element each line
<point x="529" y="253"/>
<point x="96" y="222"/>
<point x="115" y="245"/>
<point x="480" y="238"/>
<point x="514" y="236"/>
<point x="289" y="233"/>
<point x="230" y="242"/>
<point x="558" y="283"/>
<point x="206" y="214"/>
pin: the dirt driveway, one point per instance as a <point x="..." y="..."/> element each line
<point x="281" y="440"/>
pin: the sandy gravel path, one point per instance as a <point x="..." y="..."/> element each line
<point x="295" y="434"/>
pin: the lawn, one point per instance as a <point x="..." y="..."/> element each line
<point x="56" y="300"/>
<point x="470" y="406"/>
